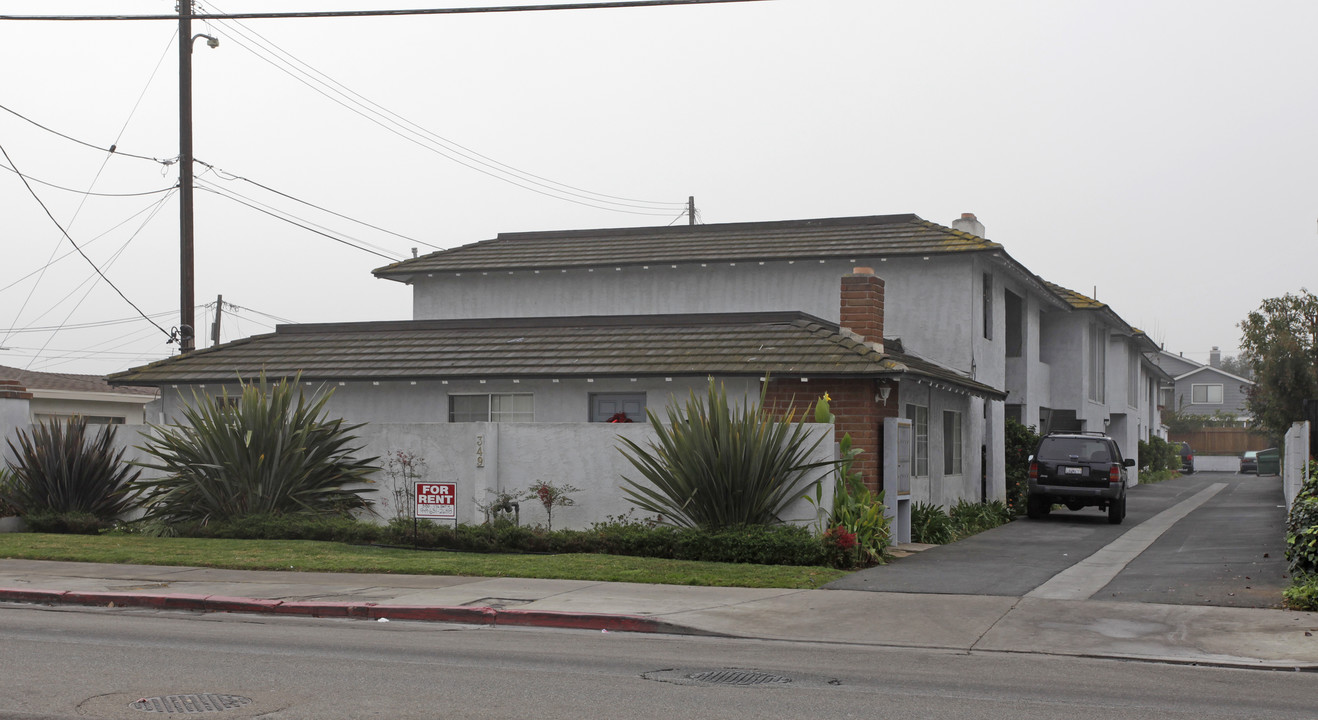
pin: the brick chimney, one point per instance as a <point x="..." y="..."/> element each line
<point x="968" y="223"/>
<point x="862" y="306"/>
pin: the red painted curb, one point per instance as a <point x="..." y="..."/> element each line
<point x="373" y="611"/>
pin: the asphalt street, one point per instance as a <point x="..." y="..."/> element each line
<point x="1227" y="551"/>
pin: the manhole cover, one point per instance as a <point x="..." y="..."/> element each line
<point x="203" y="703"/>
<point x="738" y="677"/>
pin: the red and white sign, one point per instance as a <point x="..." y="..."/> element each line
<point x="437" y="500"/>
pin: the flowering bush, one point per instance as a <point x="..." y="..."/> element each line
<point x="551" y="496"/>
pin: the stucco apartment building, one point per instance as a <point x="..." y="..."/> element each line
<point x="891" y="315"/>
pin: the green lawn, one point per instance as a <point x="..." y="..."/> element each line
<point x="309" y="556"/>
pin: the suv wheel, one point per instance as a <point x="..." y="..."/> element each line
<point x="1037" y="507"/>
<point x="1116" y="511"/>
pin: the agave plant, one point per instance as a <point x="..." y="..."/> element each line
<point x="268" y="451"/>
<point x="60" y="469"/>
<point x="712" y="466"/>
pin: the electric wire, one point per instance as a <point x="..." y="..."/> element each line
<point x="113" y="149"/>
<point x="254" y="206"/>
<point x="221" y="173"/>
<point x="426" y="139"/>
<point x="409" y="125"/>
<point x="153" y="208"/>
<point x="204" y="185"/>
<point x="85" y="192"/>
<point x="88" y="325"/>
<point x="611" y="4"/>
<point x="65" y="233"/>
<point x="97" y="350"/>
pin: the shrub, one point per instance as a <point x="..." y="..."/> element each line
<point x="68" y="523"/>
<point x="6" y="487"/>
<point x="929" y="524"/>
<point x="858" y="530"/>
<point x="269" y="451"/>
<point x="1020" y="444"/>
<point x="715" y="467"/>
<point x="1158" y="455"/>
<point x="336" y="528"/>
<point x="969" y="518"/>
<point x="1302" y="594"/>
<point x="59" y="470"/>
<point x="551" y="496"/>
<point x="1302" y="530"/>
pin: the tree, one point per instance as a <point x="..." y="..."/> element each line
<point x="1281" y="344"/>
<point x="1237" y="365"/>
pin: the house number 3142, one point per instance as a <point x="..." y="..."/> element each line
<point x="480" y="451"/>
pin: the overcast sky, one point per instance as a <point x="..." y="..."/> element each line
<point x="1161" y="154"/>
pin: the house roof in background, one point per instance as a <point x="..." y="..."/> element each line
<point x="783" y="344"/>
<point x="66" y="382"/>
<point x="1216" y="371"/>
<point x="849" y="237"/>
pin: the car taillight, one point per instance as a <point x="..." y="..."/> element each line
<point x="1034" y="471"/>
<point x="1114" y="474"/>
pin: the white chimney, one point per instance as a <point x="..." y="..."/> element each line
<point x="1215" y="357"/>
<point x="968" y="223"/>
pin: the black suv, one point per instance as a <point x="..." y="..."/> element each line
<point x="1078" y="470"/>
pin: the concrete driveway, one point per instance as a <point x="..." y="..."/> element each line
<point x="1213" y="539"/>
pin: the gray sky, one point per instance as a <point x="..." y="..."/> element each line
<point x="1161" y="152"/>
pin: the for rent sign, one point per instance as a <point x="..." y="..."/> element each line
<point x="436" y="500"/>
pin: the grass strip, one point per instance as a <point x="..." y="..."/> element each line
<point x="312" y="556"/>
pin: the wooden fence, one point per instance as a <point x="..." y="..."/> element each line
<point x="1221" y="441"/>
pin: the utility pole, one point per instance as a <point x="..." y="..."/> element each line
<point x="187" y="317"/>
<point x="215" y="327"/>
<point x="690" y="209"/>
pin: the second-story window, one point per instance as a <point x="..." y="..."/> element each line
<point x="1097" y="363"/>
<point x="988" y="306"/>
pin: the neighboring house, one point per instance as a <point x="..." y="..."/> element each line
<point x="1103" y="376"/>
<point x="1204" y="389"/>
<point x="60" y="396"/>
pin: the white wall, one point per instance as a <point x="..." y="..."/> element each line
<point x="934" y="305"/>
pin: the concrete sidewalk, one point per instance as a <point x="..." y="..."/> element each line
<point x="1235" y="637"/>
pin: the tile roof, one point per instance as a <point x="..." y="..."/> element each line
<point x="1073" y="298"/>
<point x="783" y="343"/>
<point x="66" y="382"/>
<point x="848" y="237"/>
<point x="1079" y="301"/>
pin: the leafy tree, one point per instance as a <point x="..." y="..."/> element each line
<point x="1019" y="444"/>
<point x="1280" y="341"/>
<point x="1237" y="365"/>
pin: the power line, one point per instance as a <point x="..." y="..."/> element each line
<point x="153" y="208"/>
<point x="113" y="149"/>
<point x="382" y="13"/>
<point x="86" y="325"/>
<point x="75" y="244"/>
<point x="221" y="173"/>
<point x="454" y="152"/>
<point x="254" y="206"/>
<point x="88" y="192"/>
<point x="409" y="126"/>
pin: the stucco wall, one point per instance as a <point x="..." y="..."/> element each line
<point x="933" y="304"/>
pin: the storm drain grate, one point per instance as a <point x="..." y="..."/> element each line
<point x="738" y="677"/>
<point x="202" y="703"/>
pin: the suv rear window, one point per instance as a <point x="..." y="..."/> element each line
<point x="1081" y="449"/>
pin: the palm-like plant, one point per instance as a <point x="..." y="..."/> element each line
<point x="714" y="466"/>
<point x="58" y="469"/>
<point x="269" y="451"/>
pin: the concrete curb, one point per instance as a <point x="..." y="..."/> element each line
<point x="366" y="611"/>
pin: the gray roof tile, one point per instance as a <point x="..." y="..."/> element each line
<point x="783" y="343"/>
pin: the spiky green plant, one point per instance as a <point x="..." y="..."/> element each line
<point x="268" y="451"/>
<point x="59" y="468"/>
<point x="712" y="466"/>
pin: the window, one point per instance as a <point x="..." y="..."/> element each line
<point x="1133" y="379"/>
<point x="919" y="417"/>
<point x="1097" y="363"/>
<point x="91" y="419"/>
<point x="952" y="461"/>
<point x="506" y="407"/>
<point x="1206" y="394"/>
<point x="1015" y="323"/>
<point x="988" y="306"/>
